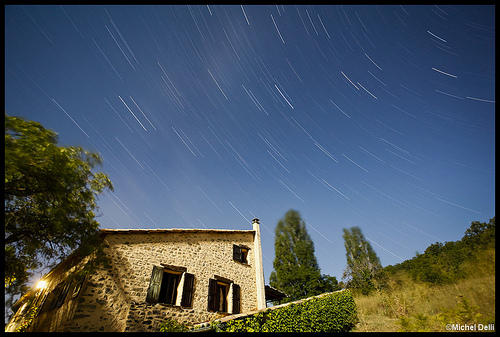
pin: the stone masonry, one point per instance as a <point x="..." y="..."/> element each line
<point x="113" y="298"/>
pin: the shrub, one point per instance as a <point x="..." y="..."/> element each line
<point x="30" y="316"/>
<point x="171" y="325"/>
<point x="332" y="312"/>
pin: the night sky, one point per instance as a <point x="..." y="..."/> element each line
<point x="381" y="117"/>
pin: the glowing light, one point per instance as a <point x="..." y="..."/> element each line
<point x="41" y="284"/>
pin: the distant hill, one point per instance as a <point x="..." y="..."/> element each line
<point x="441" y="263"/>
<point x="449" y="287"/>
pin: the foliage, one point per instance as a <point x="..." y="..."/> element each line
<point x="413" y="305"/>
<point x="296" y="271"/>
<point x="462" y="313"/>
<point x="29" y="317"/>
<point x="363" y="263"/>
<point x="461" y="292"/>
<point x="441" y="263"/>
<point x="50" y="200"/>
<point x="171" y="325"/>
<point x="333" y="312"/>
<point x="480" y="233"/>
<point x="419" y="323"/>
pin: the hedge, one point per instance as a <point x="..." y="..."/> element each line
<point x="331" y="312"/>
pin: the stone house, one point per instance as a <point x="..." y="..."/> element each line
<point x="190" y="275"/>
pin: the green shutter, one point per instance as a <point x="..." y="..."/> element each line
<point x="187" y="292"/>
<point x="236" y="299"/>
<point x="154" y="285"/>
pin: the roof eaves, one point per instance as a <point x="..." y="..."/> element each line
<point x="171" y="230"/>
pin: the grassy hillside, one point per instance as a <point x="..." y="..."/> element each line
<point x="460" y="292"/>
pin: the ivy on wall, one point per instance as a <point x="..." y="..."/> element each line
<point x="334" y="312"/>
<point x="28" y="319"/>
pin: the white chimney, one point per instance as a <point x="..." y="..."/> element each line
<point x="259" y="268"/>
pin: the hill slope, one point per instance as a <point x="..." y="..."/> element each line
<point x="451" y="283"/>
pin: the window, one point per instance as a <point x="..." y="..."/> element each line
<point x="220" y="291"/>
<point x="240" y="253"/>
<point x="62" y="293"/>
<point x="168" y="289"/>
<point x="55" y="298"/>
<point x="165" y="284"/>
<point x="218" y="295"/>
<point x="62" y="296"/>
<point x="48" y="297"/>
<point x="77" y="288"/>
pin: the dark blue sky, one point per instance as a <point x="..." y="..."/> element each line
<point x="380" y="117"/>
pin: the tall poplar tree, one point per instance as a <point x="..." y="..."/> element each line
<point x="296" y="271"/>
<point x="362" y="261"/>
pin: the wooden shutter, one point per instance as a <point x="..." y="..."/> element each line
<point x="236" y="298"/>
<point x="45" y="302"/>
<point x="155" y="285"/>
<point x="187" y="292"/>
<point x="55" y="295"/>
<point x="237" y="253"/>
<point x="78" y="286"/>
<point x="212" y="295"/>
<point x="62" y="295"/>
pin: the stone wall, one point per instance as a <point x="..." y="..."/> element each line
<point x="113" y="298"/>
<point x="204" y="254"/>
<point x="145" y="317"/>
<point x="102" y="306"/>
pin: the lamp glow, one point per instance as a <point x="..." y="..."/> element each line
<point x="41" y="284"/>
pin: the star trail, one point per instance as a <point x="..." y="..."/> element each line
<point x="380" y="117"/>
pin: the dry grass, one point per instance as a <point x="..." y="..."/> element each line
<point x="414" y="306"/>
<point x="372" y="316"/>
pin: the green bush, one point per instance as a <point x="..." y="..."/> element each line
<point x="333" y="312"/>
<point x="29" y="317"/>
<point x="171" y="325"/>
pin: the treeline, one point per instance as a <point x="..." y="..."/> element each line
<point x="441" y="263"/>
<point x="296" y="271"/>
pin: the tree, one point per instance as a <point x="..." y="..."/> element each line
<point x="50" y="199"/>
<point x="296" y="271"/>
<point x="480" y="233"/>
<point x="442" y="263"/>
<point x="362" y="261"/>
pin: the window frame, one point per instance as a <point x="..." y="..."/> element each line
<point x="240" y="253"/>
<point x="184" y="287"/>
<point x="231" y="291"/>
<point x="169" y="287"/>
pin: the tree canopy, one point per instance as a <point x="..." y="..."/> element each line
<point x="441" y="263"/>
<point x="50" y="199"/>
<point x="296" y="270"/>
<point x="362" y="261"/>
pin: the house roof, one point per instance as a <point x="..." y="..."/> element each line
<point x="171" y="230"/>
<point x="274" y="294"/>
